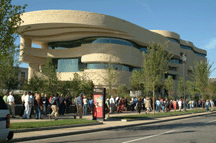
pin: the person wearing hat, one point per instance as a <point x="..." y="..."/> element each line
<point x="11" y="104"/>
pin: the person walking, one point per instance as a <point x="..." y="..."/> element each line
<point x="37" y="105"/>
<point x="11" y="104"/>
<point x="125" y="104"/>
<point x="207" y="104"/>
<point x="121" y="103"/>
<point x="85" y="107"/>
<point x="117" y="102"/>
<point x="167" y="105"/>
<point x="45" y="104"/>
<point x="112" y="104"/>
<point x="180" y="104"/>
<point x="148" y="105"/>
<point x="68" y="103"/>
<point x="55" y="108"/>
<point x="26" y="114"/>
<point x="78" y="103"/>
<point x="139" y="105"/>
<point x="157" y="102"/>
<point x="23" y="103"/>
<point x="163" y="105"/>
<point x="61" y="105"/>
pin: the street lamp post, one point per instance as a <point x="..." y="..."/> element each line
<point x="184" y="63"/>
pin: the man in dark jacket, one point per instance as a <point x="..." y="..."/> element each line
<point x="61" y="105"/>
<point x="55" y="107"/>
<point x="45" y="104"/>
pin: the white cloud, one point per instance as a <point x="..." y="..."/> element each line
<point x="211" y="44"/>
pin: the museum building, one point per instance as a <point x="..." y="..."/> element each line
<point x="85" y="43"/>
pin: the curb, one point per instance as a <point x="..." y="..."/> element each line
<point x="55" y="127"/>
<point x="100" y="129"/>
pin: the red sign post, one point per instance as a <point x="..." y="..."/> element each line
<point x="98" y="103"/>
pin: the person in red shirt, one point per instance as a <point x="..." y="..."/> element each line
<point x="174" y="104"/>
<point x="51" y="96"/>
<point x="121" y="103"/>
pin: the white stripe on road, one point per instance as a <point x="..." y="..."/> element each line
<point x="210" y="121"/>
<point x="148" y="137"/>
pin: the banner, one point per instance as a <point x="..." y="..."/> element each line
<point x="98" y="106"/>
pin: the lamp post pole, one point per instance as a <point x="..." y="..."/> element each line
<point x="184" y="62"/>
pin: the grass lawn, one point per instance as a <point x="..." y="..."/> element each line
<point x="49" y="123"/>
<point x="156" y="115"/>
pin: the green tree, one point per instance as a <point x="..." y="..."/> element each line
<point x="180" y="90"/>
<point x="122" y="90"/>
<point x="169" y="86"/>
<point x="155" y="65"/>
<point x="137" y="80"/>
<point x="200" y="76"/>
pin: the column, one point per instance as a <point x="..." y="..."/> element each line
<point x="24" y="44"/>
<point x="33" y="68"/>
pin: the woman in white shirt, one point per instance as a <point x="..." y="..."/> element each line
<point x="85" y="109"/>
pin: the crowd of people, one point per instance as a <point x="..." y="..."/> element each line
<point x="35" y="104"/>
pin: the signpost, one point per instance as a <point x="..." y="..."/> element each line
<point x="98" y="103"/>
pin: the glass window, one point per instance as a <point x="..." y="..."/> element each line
<point x="113" y="41"/>
<point x="186" y="47"/>
<point x="173" y="40"/>
<point x="136" y="69"/>
<point x="105" y="66"/>
<point x="175" y="61"/>
<point x="143" y="49"/>
<point x="200" y="54"/>
<point x="77" y="43"/>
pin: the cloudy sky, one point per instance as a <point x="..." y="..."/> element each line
<point x="193" y="20"/>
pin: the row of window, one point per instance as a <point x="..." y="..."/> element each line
<point x="77" y="43"/>
<point x="75" y="65"/>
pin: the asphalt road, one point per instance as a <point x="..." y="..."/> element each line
<point x="201" y="129"/>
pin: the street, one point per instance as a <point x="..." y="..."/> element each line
<point x="191" y="130"/>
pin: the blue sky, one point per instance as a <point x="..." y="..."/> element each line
<point x="193" y="20"/>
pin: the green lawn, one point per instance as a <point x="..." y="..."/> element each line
<point x="149" y="116"/>
<point x="49" y="123"/>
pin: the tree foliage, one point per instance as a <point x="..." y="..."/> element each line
<point x="122" y="90"/>
<point x="155" y="65"/>
<point x="169" y="85"/>
<point x="200" y="76"/>
<point x="137" y="80"/>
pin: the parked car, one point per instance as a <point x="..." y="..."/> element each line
<point x="5" y="133"/>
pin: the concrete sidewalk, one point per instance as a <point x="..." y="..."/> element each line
<point x="107" y="125"/>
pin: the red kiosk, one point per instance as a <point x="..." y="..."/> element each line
<point x="98" y="103"/>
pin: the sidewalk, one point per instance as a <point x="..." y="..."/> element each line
<point x="107" y="125"/>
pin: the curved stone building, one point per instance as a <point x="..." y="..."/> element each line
<point x="85" y="42"/>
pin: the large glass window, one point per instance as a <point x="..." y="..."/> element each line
<point x="143" y="49"/>
<point x="77" y="43"/>
<point x="69" y="65"/>
<point x="113" y="41"/>
<point x="200" y="54"/>
<point x="105" y="66"/>
<point x="173" y="40"/>
<point x="175" y="61"/>
<point x="186" y="47"/>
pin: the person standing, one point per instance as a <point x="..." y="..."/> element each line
<point x="157" y="102"/>
<point x="121" y="103"/>
<point x="45" y="104"/>
<point x="112" y="104"/>
<point x="37" y="104"/>
<point x="90" y="103"/>
<point x="212" y="105"/>
<point x="175" y="104"/>
<point x="107" y="107"/>
<point x="78" y="103"/>
<point x="180" y="104"/>
<point x="68" y="103"/>
<point x="163" y="105"/>
<point x="26" y="114"/>
<point x="117" y="102"/>
<point x="5" y="98"/>
<point x="23" y="103"/>
<point x="50" y="100"/>
<point x="125" y="104"/>
<point x="11" y="104"/>
<point x="31" y="101"/>
<point x="61" y="105"/>
<point x="55" y="108"/>
<point x="139" y="105"/>
<point x="85" y="107"/>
